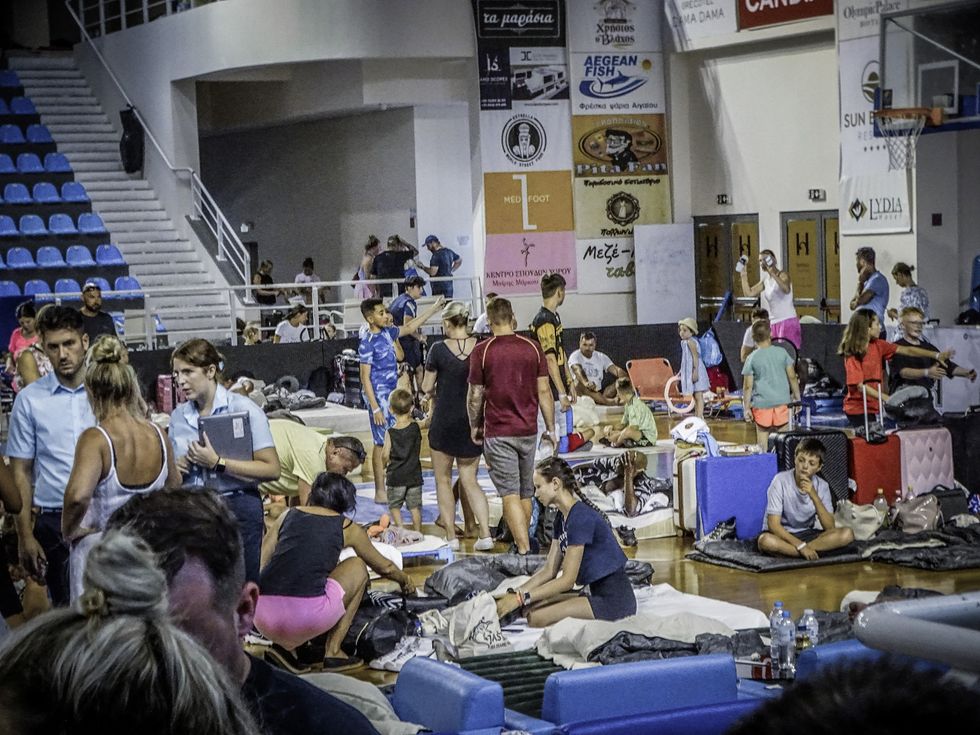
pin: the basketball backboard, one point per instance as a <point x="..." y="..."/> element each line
<point x="930" y="57"/>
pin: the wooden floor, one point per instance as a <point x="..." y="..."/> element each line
<point x="820" y="588"/>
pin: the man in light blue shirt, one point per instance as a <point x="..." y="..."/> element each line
<point x="872" y="287"/>
<point x="49" y="416"/>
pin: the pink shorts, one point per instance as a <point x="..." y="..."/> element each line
<point x="292" y="621"/>
<point x="788" y="329"/>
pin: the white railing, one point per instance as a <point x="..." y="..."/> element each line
<point x="99" y="17"/>
<point x="206" y="210"/>
<point x="140" y="330"/>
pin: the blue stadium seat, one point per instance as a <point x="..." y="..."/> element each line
<point x="22" y="106"/>
<point x="109" y="254"/>
<point x="7" y="226"/>
<point x="3" y="266"/>
<point x="20" y="258"/>
<point x="158" y="324"/>
<point x="78" y="256"/>
<point x="36" y="286"/>
<point x="11" y="135"/>
<point x="89" y="223"/>
<point x="16" y="194"/>
<point x="62" y="224"/>
<point x="46" y="193"/>
<point x="119" y="322"/>
<point x="32" y="226"/>
<point x="7" y="164"/>
<point x="73" y="191"/>
<point x="9" y="78"/>
<point x="29" y="163"/>
<point x="49" y="256"/>
<point x="9" y="288"/>
<point x="103" y="283"/>
<point x="39" y="134"/>
<point x="4" y="110"/>
<point x="68" y="286"/>
<point x="127" y="283"/>
<point x="56" y="163"/>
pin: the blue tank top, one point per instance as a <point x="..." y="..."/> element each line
<point x="307" y="551"/>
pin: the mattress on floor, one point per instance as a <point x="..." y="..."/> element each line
<point x="338" y="418"/>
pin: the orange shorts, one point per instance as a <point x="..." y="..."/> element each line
<point x="768" y="418"/>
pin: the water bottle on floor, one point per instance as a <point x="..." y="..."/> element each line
<point x="787" y="646"/>
<point x="812" y="626"/>
<point x="805" y="626"/>
<point x="880" y="504"/>
<point x="774" y="617"/>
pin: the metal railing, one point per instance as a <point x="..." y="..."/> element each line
<point x="139" y="323"/>
<point x="100" y="17"/>
<point x="206" y="210"/>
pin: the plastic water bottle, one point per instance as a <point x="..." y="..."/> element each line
<point x="880" y="504"/>
<point x="787" y="647"/>
<point x="806" y="629"/>
<point x="774" y="617"/>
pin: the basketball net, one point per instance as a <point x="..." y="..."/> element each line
<point x="901" y="129"/>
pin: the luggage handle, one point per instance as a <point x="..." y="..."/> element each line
<point x="793" y="405"/>
<point x="881" y="407"/>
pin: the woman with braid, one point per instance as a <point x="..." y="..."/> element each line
<point x="584" y="550"/>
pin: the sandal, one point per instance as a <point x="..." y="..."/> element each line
<point x="284" y="659"/>
<point x="337" y="664"/>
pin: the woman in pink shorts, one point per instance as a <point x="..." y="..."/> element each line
<point x="775" y="292"/>
<point x="309" y="597"/>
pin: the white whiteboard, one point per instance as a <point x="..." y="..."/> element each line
<point x="664" y="273"/>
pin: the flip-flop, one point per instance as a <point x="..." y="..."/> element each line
<point x="337" y="664"/>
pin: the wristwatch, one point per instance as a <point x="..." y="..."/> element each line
<point x="220" y="466"/>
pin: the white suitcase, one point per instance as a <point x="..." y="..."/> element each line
<point x="926" y="458"/>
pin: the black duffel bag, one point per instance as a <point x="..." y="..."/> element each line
<point x="376" y="631"/>
<point x="912" y="406"/>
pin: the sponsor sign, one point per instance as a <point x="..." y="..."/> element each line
<point x="759" y="13"/>
<point x="862" y="18"/>
<point x="514" y="263"/>
<point x="619" y="146"/>
<point x="528" y="138"/>
<point x="538" y="74"/>
<point x="495" y="80"/>
<point x="875" y="204"/>
<point x="520" y="21"/>
<point x="606" y="265"/>
<point x="617" y="82"/>
<point x="610" y="25"/>
<point x="692" y="20"/>
<point x="532" y="201"/>
<point x="861" y="152"/>
<point x="609" y="207"/>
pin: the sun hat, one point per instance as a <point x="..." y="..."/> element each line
<point x="689" y="323"/>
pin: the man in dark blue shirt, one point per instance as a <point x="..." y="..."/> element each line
<point x="442" y="263"/>
<point x="403" y="308"/>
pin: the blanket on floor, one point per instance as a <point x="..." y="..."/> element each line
<point x="946" y="549"/>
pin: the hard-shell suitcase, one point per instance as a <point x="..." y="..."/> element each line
<point x="733" y="487"/>
<point x="927" y="459"/>
<point x="835" y="444"/>
<point x="685" y="490"/>
<point x="875" y="464"/>
<point x="964" y="431"/>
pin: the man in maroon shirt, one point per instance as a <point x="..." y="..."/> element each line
<point x="508" y="386"/>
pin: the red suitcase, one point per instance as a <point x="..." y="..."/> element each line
<point x="874" y="465"/>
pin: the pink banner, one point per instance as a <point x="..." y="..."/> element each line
<point x="514" y="264"/>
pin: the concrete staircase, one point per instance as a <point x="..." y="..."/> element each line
<point x="138" y="224"/>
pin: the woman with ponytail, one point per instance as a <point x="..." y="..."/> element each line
<point x="584" y="550"/>
<point x="114" y="662"/>
<point x="123" y="455"/>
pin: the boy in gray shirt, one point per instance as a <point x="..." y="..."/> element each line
<point x="799" y="510"/>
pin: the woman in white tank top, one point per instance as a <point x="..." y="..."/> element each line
<point x="124" y="455"/>
<point x="775" y="291"/>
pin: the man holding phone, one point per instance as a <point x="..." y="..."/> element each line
<point x="775" y="292"/>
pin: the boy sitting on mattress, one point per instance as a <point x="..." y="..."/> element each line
<point x="624" y="480"/>
<point x="799" y="510"/>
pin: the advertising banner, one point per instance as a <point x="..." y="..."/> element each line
<point x="525" y="139"/>
<point x="606" y="265"/>
<point x="611" y="207"/>
<point x="759" y="13"/>
<point x="875" y="205"/>
<point x="691" y="20"/>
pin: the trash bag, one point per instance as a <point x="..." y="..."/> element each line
<point x="131" y="143"/>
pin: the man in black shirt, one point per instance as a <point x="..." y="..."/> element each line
<point x="391" y="264"/>
<point x="96" y="322"/>
<point x="924" y="371"/>
<point x="196" y="539"/>
<point x="547" y="330"/>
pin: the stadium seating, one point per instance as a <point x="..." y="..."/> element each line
<point x="32" y="226"/>
<point x="39" y="134"/>
<point x="127" y="283"/>
<point x="90" y="223"/>
<point x="20" y="258"/>
<point x="62" y="224"/>
<point x="11" y="135"/>
<point x="29" y="163"/>
<point x="103" y="283"/>
<point x="22" y="106"/>
<point x="109" y="254"/>
<point x="36" y="286"/>
<point x="56" y="163"/>
<point x="68" y="286"/>
<point x="9" y="288"/>
<point x="74" y="191"/>
<point x="78" y="256"/>
<point x="9" y="78"/>
<point x="16" y="194"/>
<point x="7" y="164"/>
<point x="49" y="256"/>
<point x="7" y="226"/>
<point x="46" y="193"/>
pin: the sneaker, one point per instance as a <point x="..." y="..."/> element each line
<point x="255" y="638"/>
<point x="407" y="650"/>
<point x="454" y="544"/>
<point x="283" y="659"/>
<point x="721" y="532"/>
<point x="381" y="662"/>
<point x="587" y="447"/>
<point x="483" y="544"/>
<point x="341" y="663"/>
<point x="627" y="535"/>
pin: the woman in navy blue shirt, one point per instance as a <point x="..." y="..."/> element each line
<point x="584" y="550"/>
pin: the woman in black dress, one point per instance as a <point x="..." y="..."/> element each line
<point x="449" y="432"/>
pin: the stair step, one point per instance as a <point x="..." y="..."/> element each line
<point x="146" y="236"/>
<point x="34" y="62"/>
<point x="129" y="221"/>
<point x="41" y="95"/>
<point x="61" y="108"/>
<point x="100" y="198"/>
<point x="131" y="205"/>
<point x="73" y="148"/>
<point x="74" y="128"/>
<point x="98" y="166"/>
<point x="99" y="185"/>
<point x="156" y="249"/>
<point x="92" y="176"/>
<point x="97" y="155"/>
<point x="94" y="138"/>
<point x="140" y="225"/>
<point x="171" y="256"/>
<point x="71" y="117"/>
<point x="51" y="77"/>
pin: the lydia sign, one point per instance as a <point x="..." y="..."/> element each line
<point x="876" y="204"/>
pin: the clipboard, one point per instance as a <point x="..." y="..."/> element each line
<point x="229" y="433"/>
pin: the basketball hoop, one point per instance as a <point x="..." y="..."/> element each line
<point x="901" y="128"/>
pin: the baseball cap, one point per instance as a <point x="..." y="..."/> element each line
<point x="89" y="285"/>
<point x="431" y="239"/>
